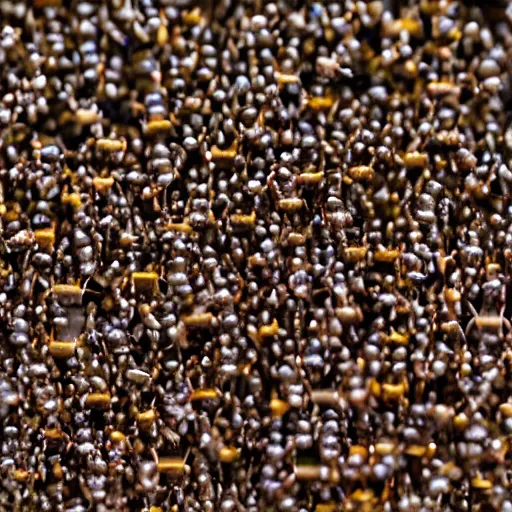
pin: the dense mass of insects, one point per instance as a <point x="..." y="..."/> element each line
<point x="255" y="256"/>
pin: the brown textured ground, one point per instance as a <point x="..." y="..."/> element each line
<point x="255" y="256"/>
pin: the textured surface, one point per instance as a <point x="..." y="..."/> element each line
<point x="255" y="256"/>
